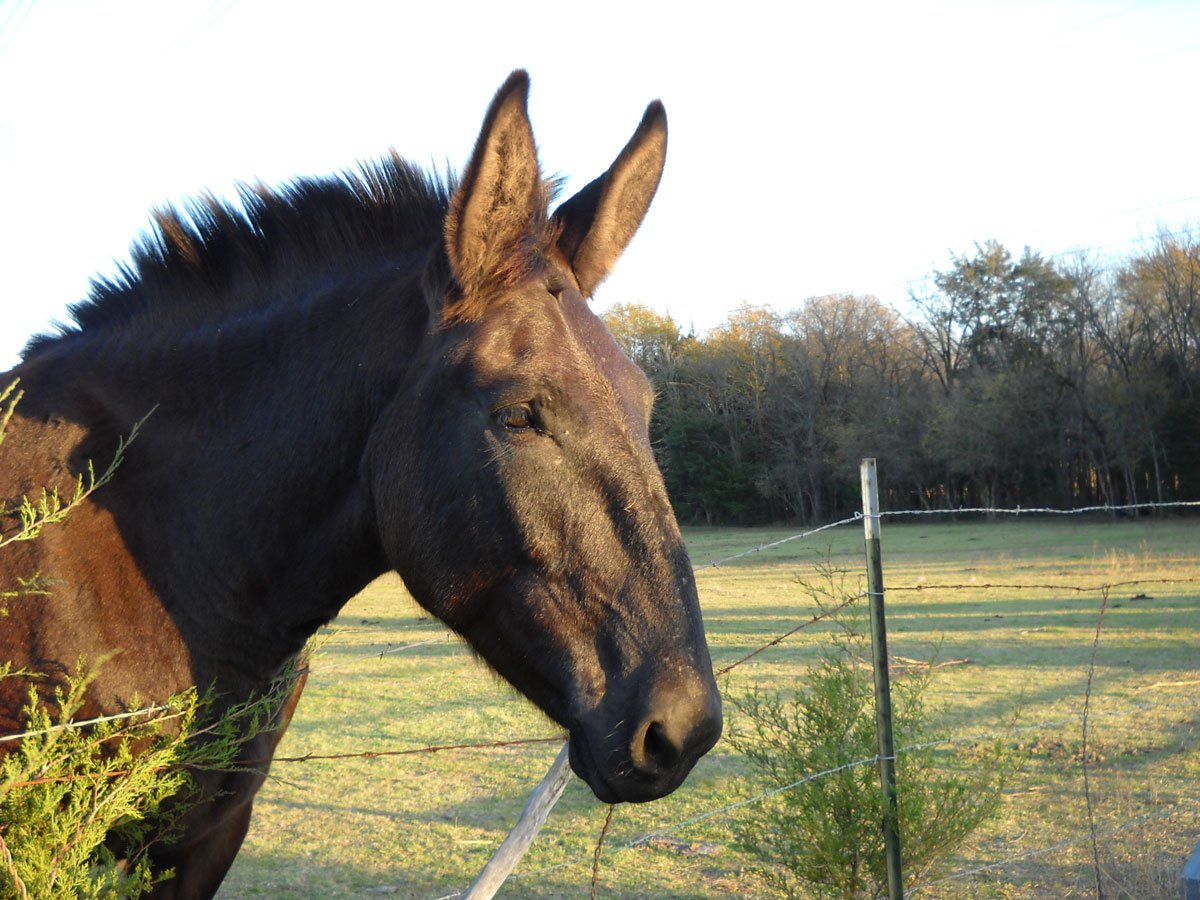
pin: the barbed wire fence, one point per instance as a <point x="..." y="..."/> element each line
<point x="648" y="838"/>
<point x="847" y="601"/>
<point x="1104" y="588"/>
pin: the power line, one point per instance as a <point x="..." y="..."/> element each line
<point x="1163" y="202"/>
<point x="216" y="11"/>
<point x="13" y="23"/>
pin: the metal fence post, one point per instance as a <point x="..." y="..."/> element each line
<point x="883" y="688"/>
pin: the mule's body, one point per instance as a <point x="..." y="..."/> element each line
<point x="347" y="376"/>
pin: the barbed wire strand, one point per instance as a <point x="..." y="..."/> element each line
<point x="1038" y="586"/>
<point x="368" y="754"/>
<point x="599" y="845"/>
<point x="444" y="638"/>
<point x="1042" y="510"/>
<point x="717" y="563"/>
<point x="855" y="518"/>
<point x="413" y="751"/>
<point x="437" y="748"/>
<point x="88" y="723"/>
<point x="918" y="588"/>
<point x="824" y="614"/>
<point x="849" y="520"/>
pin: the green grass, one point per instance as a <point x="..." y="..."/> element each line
<point x="422" y="826"/>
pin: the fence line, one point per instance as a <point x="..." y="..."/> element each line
<point x="962" y="510"/>
<point x="857" y="517"/>
<point x="845" y="603"/>
<point x="487" y="745"/>
<point x="824" y="614"/>
<point x="447" y="636"/>
<point x="1108" y="585"/>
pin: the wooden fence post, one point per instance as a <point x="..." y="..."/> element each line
<point x="533" y="817"/>
<point x="883" y="687"/>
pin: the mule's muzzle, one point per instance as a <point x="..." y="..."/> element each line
<point x="647" y="756"/>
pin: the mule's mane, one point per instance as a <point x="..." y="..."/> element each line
<point x="199" y="262"/>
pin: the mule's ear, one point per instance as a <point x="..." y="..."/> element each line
<point x="598" y="222"/>
<point x="500" y="198"/>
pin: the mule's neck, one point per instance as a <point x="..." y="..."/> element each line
<point x="243" y="500"/>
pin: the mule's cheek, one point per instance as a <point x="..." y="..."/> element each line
<point x="440" y="528"/>
<point x="590" y="684"/>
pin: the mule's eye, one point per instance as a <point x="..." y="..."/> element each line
<point x="518" y="417"/>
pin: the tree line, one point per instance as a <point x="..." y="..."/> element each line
<point x="1008" y="381"/>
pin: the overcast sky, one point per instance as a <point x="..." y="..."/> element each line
<point x="814" y="148"/>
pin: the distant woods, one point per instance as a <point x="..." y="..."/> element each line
<point x="1010" y="381"/>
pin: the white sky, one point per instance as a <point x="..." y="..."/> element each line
<point x="814" y="148"/>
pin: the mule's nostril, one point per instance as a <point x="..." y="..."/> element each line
<point x="676" y="727"/>
<point x="658" y="750"/>
<point x="680" y="729"/>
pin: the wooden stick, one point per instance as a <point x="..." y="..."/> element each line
<point x="533" y="817"/>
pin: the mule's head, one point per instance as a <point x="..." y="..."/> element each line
<point x="515" y="485"/>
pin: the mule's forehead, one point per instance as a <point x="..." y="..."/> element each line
<point x="556" y="343"/>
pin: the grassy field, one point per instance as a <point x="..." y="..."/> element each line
<point x="387" y="678"/>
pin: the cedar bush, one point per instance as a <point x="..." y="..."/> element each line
<point x="823" y="836"/>
<point x="70" y="791"/>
